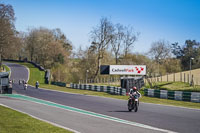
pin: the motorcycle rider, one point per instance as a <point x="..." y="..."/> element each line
<point x="10" y="84"/>
<point x="37" y="84"/>
<point x="25" y="85"/>
<point x="134" y="91"/>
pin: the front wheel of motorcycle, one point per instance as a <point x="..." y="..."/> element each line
<point x="136" y="107"/>
<point x="129" y="106"/>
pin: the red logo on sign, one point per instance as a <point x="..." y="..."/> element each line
<point x="139" y="70"/>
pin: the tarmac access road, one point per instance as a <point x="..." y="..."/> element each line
<point x="149" y="118"/>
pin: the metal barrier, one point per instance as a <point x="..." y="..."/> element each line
<point x="173" y="95"/>
<point x="58" y="83"/>
<point x="109" y="89"/>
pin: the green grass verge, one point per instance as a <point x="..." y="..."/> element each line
<point x="7" y="68"/>
<point x="15" y="122"/>
<point x="176" y="86"/>
<point x="35" y="74"/>
<point x="4" y="67"/>
<point x="39" y="75"/>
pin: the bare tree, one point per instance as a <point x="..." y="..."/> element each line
<point x="129" y="38"/>
<point x="101" y="37"/>
<point x="160" y="50"/>
<point x="61" y="38"/>
<point x="117" y="41"/>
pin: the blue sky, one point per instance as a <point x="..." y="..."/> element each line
<point x="171" y="20"/>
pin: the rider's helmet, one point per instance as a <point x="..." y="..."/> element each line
<point x="134" y="88"/>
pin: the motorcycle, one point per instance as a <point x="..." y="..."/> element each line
<point x="133" y="102"/>
<point x="25" y="86"/>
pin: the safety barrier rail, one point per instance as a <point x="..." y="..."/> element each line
<point x="58" y="83"/>
<point x="173" y="95"/>
<point x="109" y="89"/>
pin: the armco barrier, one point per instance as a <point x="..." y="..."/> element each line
<point x="47" y="72"/>
<point x="173" y="95"/>
<point x="33" y="63"/>
<point x="108" y="89"/>
<point x="58" y="83"/>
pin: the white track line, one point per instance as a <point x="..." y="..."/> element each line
<point x="90" y="113"/>
<point x="42" y="119"/>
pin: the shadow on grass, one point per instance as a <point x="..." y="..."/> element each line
<point x="160" y="86"/>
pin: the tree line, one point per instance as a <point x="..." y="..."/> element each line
<point x="110" y="44"/>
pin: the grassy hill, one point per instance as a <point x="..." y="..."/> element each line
<point x="176" y="86"/>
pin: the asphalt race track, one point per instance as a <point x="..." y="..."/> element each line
<point x="169" y="118"/>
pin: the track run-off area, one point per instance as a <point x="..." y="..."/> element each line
<point x="83" y="113"/>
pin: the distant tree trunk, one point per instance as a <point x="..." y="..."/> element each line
<point x="116" y="60"/>
<point x="98" y="67"/>
<point x="0" y="57"/>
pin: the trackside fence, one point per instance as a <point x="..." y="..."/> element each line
<point x="62" y="84"/>
<point x="173" y="95"/>
<point x="109" y="89"/>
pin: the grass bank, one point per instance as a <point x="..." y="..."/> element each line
<point x="36" y="74"/>
<point x="15" y="122"/>
<point x="176" y="86"/>
<point x="4" y="68"/>
<point x="7" y="68"/>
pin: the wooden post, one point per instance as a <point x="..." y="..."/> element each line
<point x="167" y="77"/>
<point x="180" y="76"/>
<point x="184" y="77"/>
<point x="192" y="81"/>
<point x="174" y="77"/>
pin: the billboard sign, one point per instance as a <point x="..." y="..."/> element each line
<point x="104" y="69"/>
<point x="127" y="70"/>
